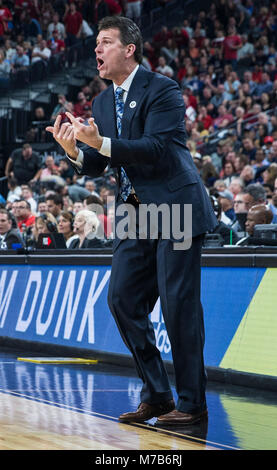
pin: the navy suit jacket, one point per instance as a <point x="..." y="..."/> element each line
<point x="152" y="147"/>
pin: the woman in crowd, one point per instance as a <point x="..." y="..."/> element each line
<point x="44" y="223"/>
<point x="65" y="226"/>
<point x="86" y="224"/>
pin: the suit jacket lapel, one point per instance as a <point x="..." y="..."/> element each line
<point x="134" y="96"/>
<point x="108" y="119"/>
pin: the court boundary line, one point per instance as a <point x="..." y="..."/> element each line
<point x="112" y="418"/>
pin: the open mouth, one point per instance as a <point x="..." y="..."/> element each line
<point x="100" y="62"/>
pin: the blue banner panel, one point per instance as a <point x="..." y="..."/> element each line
<point x="226" y="293"/>
<point x="67" y="305"/>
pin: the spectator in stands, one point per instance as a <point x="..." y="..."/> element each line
<point x="267" y="147"/>
<point x="24" y="216"/>
<point x="45" y="223"/>
<point x="85" y="226"/>
<point x="57" y="26"/>
<point x="5" y="69"/>
<point x="231" y="44"/>
<point x="27" y="194"/>
<point x="208" y="174"/>
<point x="62" y="106"/>
<point x="5" y="18"/>
<point x="248" y="79"/>
<point x="65" y="226"/>
<point x="231" y="86"/>
<point x="14" y="190"/>
<point x="239" y="204"/>
<point x="236" y="186"/>
<point x="163" y="68"/>
<point x="270" y="174"/>
<point x="254" y="194"/>
<point x="19" y="66"/>
<point x="32" y="7"/>
<point x="73" y="21"/>
<point x="40" y="58"/>
<point x="226" y="200"/>
<point x="265" y="86"/>
<point x="77" y="207"/>
<point x="133" y="10"/>
<point x="274" y="195"/>
<point x="42" y="206"/>
<point x="91" y="187"/>
<point x="30" y="27"/>
<point x="247" y="174"/>
<point x="218" y="97"/>
<point x="9" y="237"/>
<point x="228" y="172"/>
<point x="265" y="102"/>
<point x="54" y="204"/>
<point x="67" y="203"/>
<point x="101" y="10"/>
<point x="95" y="204"/>
<point x="24" y="165"/>
<point x="249" y="149"/>
<point x="115" y="8"/>
<point x="257" y="214"/>
<point x="45" y="16"/>
<point x="238" y="224"/>
<point x="9" y="49"/>
<point x="191" y="113"/>
<point x="50" y="173"/>
<point x="246" y="51"/>
<point x="80" y="104"/>
<point x="224" y="118"/>
<point x="228" y="235"/>
<point x="272" y="154"/>
<point x="261" y="133"/>
<point x="65" y="170"/>
<point x="56" y="46"/>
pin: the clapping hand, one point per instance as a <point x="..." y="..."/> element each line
<point x="88" y="134"/>
<point x="64" y="135"/>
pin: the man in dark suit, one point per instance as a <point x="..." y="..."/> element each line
<point x="138" y="129"/>
<point x="9" y="237"/>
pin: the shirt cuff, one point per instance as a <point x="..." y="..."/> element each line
<point x="106" y="147"/>
<point x="79" y="160"/>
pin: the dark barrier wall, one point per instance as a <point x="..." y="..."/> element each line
<point x="59" y="298"/>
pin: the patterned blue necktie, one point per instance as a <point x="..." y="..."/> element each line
<point x="125" y="184"/>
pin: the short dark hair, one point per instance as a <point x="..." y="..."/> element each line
<point x="28" y="205"/>
<point x="257" y="191"/>
<point x="57" y="198"/>
<point x="129" y="32"/>
<point x="7" y="213"/>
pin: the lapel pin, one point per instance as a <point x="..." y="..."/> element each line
<point x="132" y="104"/>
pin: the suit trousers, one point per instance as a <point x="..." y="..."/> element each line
<point x="143" y="270"/>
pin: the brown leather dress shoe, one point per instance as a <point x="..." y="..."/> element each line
<point x="146" y="411"/>
<point x="178" y="417"/>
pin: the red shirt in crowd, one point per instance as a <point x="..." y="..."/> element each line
<point x="79" y="108"/>
<point x="56" y="45"/>
<point x="257" y="76"/>
<point x="73" y="22"/>
<point x="228" y="47"/>
<point x="181" y="73"/>
<point x="114" y="7"/>
<point x="27" y="222"/>
<point x="5" y="16"/>
<point x="207" y="121"/>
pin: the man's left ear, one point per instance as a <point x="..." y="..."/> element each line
<point x="130" y="50"/>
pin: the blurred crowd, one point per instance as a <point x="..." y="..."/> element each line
<point x="224" y="61"/>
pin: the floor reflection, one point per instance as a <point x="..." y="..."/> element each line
<point x="239" y="417"/>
